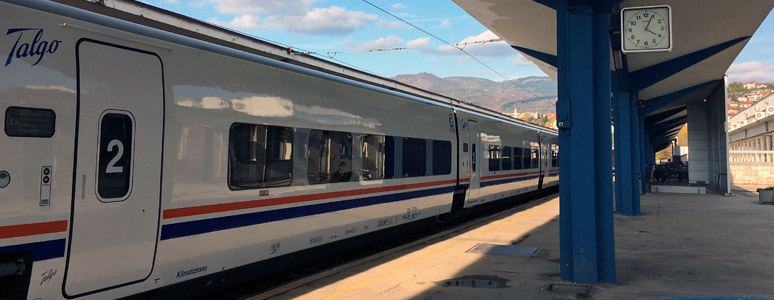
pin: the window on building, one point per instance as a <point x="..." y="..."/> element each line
<point x="260" y="156"/>
<point x="441" y="157"/>
<point x="330" y="156"/>
<point x="414" y="157"/>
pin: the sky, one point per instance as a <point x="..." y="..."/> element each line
<point x="350" y="32"/>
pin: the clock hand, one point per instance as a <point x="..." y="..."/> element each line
<point x="646" y="26"/>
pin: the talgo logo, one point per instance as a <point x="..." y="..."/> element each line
<point x="37" y="47"/>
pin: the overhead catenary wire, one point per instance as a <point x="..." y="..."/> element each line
<point x="453" y="45"/>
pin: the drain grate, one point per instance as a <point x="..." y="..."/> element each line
<point x="476" y="281"/>
<point x="569" y="288"/>
<point x="506" y="250"/>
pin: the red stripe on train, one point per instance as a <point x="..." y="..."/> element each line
<point x="13" y="231"/>
<point x="223" y="207"/>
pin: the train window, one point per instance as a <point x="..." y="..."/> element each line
<point x="29" y="122"/>
<point x="389" y="157"/>
<point x="260" y="156"/>
<point x="441" y="157"/>
<point x="527" y="158"/>
<point x="507" y="161"/>
<point x="554" y="156"/>
<point x="375" y="156"/>
<point x="114" y="161"/>
<point x="535" y="159"/>
<point x="517" y="159"/>
<point x="465" y="147"/>
<point x="414" y="157"/>
<point x="330" y="156"/>
<point x="494" y="157"/>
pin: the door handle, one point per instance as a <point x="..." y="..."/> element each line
<point x="83" y="187"/>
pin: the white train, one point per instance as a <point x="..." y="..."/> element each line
<point x="135" y="159"/>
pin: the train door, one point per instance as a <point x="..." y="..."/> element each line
<point x="474" y="138"/>
<point x="464" y="152"/>
<point x="541" y="160"/>
<point x="117" y="184"/>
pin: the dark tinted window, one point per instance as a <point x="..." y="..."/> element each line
<point x="441" y="157"/>
<point x="375" y="157"/>
<point x="527" y="158"/>
<point x="535" y="159"/>
<point x="29" y="122"/>
<point x="260" y="156"/>
<point x="330" y="156"/>
<point x="414" y="157"/>
<point x="389" y="157"/>
<point x="494" y="157"/>
<point x="507" y="160"/>
<point x="115" y="156"/>
<point x="517" y="158"/>
<point x="554" y="155"/>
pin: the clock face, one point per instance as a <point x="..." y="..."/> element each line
<point x="645" y="29"/>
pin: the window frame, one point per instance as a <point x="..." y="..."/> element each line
<point x="269" y="131"/>
<point x="343" y="177"/>
<point x="127" y="150"/>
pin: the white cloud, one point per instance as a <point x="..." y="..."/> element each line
<point x="520" y="60"/>
<point x="392" y="25"/>
<point x="381" y="43"/>
<point x="418" y="43"/>
<point x="172" y="1"/>
<point x="297" y="16"/>
<point x="243" y="21"/>
<point x="491" y="49"/>
<point x="751" y="71"/>
<point x="332" y="20"/>
<point x="398" y="6"/>
<point x="241" y="7"/>
<point x="445" y="23"/>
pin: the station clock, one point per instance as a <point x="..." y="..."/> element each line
<point x="646" y="29"/>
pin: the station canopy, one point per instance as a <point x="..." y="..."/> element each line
<point x="707" y="36"/>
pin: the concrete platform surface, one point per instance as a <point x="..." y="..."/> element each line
<point x="682" y="246"/>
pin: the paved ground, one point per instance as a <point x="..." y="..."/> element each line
<point x="682" y="246"/>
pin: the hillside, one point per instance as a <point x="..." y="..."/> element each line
<point x="500" y="96"/>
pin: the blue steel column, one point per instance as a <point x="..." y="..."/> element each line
<point x="586" y="215"/>
<point x="628" y="154"/>
<point x="645" y="149"/>
<point x="625" y="167"/>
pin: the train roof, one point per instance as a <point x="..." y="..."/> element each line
<point x="158" y="18"/>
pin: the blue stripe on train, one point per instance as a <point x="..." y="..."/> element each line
<point x="171" y="231"/>
<point x="40" y="250"/>
<point x="507" y="180"/>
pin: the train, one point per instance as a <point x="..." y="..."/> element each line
<point x="135" y="159"/>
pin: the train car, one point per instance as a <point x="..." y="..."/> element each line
<point x="136" y="160"/>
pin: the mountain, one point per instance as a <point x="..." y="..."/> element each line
<point x="533" y="94"/>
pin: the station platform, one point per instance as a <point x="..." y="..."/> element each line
<point x="681" y="246"/>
